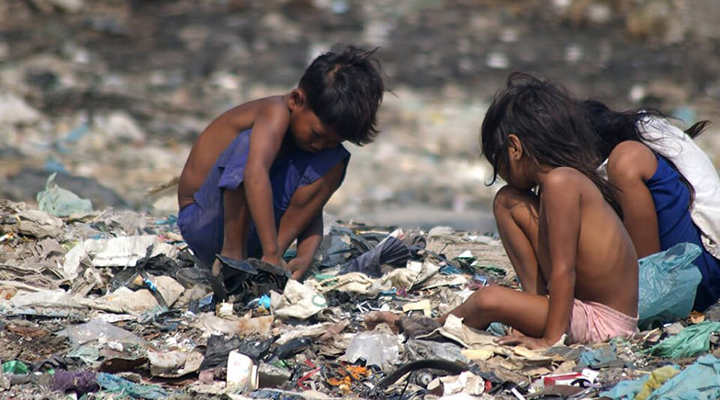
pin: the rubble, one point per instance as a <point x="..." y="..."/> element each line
<point x="111" y="317"/>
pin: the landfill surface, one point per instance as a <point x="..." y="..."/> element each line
<point x="111" y="304"/>
<point x="100" y="102"/>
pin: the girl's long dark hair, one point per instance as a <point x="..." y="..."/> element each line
<point x="552" y="127"/>
<point x="615" y="127"/>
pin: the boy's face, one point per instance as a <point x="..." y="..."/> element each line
<point x="309" y="133"/>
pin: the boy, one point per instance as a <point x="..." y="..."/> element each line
<point x="260" y="174"/>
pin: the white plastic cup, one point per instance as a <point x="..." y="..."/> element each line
<point x="242" y="373"/>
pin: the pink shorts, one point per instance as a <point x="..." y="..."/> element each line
<point x="594" y="322"/>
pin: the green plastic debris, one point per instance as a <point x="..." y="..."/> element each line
<point x="61" y="202"/>
<point x="115" y="384"/>
<point x="692" y="341"/>
<point x="15" y="368"/>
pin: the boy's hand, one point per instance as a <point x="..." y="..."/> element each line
<point x="525" y="341"/>
<point x="298" y="266"/>
<point x="275" y="260"/>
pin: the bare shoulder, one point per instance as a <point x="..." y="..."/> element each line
<point x="245" y="115"/>
<point x="631" y="160"/>
<point x="563" y="179"/>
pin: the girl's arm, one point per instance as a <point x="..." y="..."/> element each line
<point x="266" y="138"/>
<point x="630" y="165"/>
<point x="560" y="217"/>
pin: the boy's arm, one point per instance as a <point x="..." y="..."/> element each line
<point x="561" y="211"/>
<point x="266" y="138"/>
<point x="308" y="243"/>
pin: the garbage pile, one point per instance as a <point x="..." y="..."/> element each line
<point x="112" y="304"/>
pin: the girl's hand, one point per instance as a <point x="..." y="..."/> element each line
<point x="525" y="341"/>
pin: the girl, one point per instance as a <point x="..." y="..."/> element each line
<point x="572" y="254"/>
<point x="669" y="191"/>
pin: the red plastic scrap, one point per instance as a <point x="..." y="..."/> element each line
<point x="306" y="377"/>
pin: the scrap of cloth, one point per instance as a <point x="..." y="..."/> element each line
<point x="202" y="222"/>
<point x="390" y="251"/>
<point x="594" y="322"/>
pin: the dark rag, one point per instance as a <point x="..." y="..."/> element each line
<point x="80" y="382"/>
<point x="389" y="251"/>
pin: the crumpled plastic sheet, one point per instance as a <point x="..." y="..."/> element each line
<point x="626" y="390"/>
<point x="657" y="378"/>
<point x="61" y="202"/>
<point x="700" y="381"/>
<point x="100" y="330"/>
<point x="599" y="357"/>
<point x="376" y="347"/>
<point x="667" y="284"/>
<point x="297" y="301"/>
<point x="123" y="251"/>
<point x="690" y="341"/>
<point x="112" y="383"/>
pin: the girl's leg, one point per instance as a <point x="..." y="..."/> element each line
<point x="630" y="165"/>
<point x="523" y="311"/>
<point x="516" y="214"/>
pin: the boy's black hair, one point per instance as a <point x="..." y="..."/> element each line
<point x="344" y="89"/>
<point x="615" y="127"/>
<point x="552" y="127"/>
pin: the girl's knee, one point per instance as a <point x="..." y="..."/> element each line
<point x="503" y="200"/>
<point x="507" y="200"/>
<point x="486" y="299"/>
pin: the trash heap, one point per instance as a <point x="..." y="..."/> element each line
<point x="112" y="305"/>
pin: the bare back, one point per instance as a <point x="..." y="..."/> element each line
<point x="214" y="140"/>
<point x="606" y="268"/>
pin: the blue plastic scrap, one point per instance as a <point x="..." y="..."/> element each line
<point x="700" y="381"/>
<point x="667" y="284"/>
<point x="626" y="390"/>
<point x="599" y="357"/>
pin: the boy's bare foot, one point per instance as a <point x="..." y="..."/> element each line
<point x="376" y="318"/>
<point x="413" y="327"/>
<point x="410" y="326"/>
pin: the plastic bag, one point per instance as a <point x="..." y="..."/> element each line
<point x="692" y="341"/>
<point x="61" y="202"/>
<point x="376" y="348"/>
<point x="667" y="284"/>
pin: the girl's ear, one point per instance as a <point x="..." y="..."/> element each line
<point x="515" y="148"/>
<point x="297" y="99"/>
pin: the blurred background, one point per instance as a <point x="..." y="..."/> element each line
<point x="111" y="94"/>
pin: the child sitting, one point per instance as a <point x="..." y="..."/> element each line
<point x="669" y="189"/>
<point x="575" y="260"/>
<point x="260" y="174"/>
